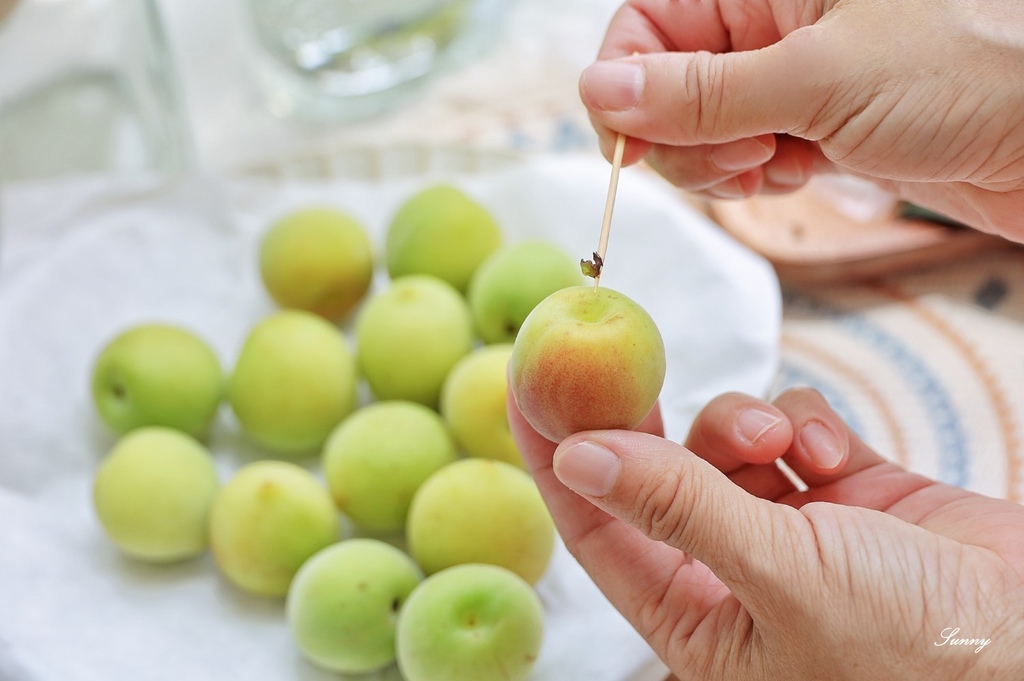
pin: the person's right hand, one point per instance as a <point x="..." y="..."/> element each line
<point x="735" y="97"/>
<point x="732" y="574"/>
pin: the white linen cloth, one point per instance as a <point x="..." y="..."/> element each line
<point x="82" y="259"/>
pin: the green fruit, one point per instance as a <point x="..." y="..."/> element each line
<point x="317" y="259"/>
<point x="409" y="337"/>
<point x="294" y="381"/>
<point x="481" y="511"/>
<point x="157" y="375"/>
<point x="586" y="360"/>
<point x="473" y="404"/>
<point x="379" y="456"/>
<point x="267" y="521"/>
<point x="343" y="604"/>
<point x="153" y="493"/>
<point x="512" y="281"/>
<point x="470" y="623"/>
<point x="442" y="232"/>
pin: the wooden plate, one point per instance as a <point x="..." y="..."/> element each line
<point x="841" y="229"/>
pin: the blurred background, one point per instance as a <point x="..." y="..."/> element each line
<point x="130" y="85"/>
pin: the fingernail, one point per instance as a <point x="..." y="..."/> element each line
<point x="740" y="155"/>
<point x="613" y="85"/>
<point x="821" y="445"/>
<point x="587" y="468"/>
<point x="788" y="174"/>
<point x="754" y="423"/>
<point x="730" y="189"/>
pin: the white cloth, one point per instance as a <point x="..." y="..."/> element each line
<point x="81" y="260"/>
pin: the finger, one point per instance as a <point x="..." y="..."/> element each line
<point x="862" y="478"/>
<point x="735" y="433"/>
<point x="705" y="165"/>
<point x="743" y="436"/>
<point x="629" y="568"/>
<point x="638" y="28"/>
<point x="673" y="496"/>
<point x="653" y="423"/>
<point x="734" y="430"/>
<point x="635" y="150"/>
<point x="740" y="187"/>
<point x="573" y="516"/>
<point x="869" y="481"/>
<point x="823" y="449"/>
<point x="649" y="26"/>
<point x="684" y="99"/>
<point x="794" y="163"/>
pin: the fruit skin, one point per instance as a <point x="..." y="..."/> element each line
<point x="317" y="259"/>
<point x="512" y="281"/>
<point x="267" y="521"/>
<point x="294" y="381"/>
<point x="343" y="604"/>
<point x="157" y="375"/>
<point x="409" y="336"/>
<point x="473" y="403"/>
<point x="470" y="623"/>
<point x="443" y="232"/>
<point x="586" y="360"/>
<point x="481" y="511"/>
<point x="377" y="458"/>
<point x="153" y="493"/>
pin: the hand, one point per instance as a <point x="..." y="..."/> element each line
<point x="731" y="573"/>
<point x="735" y="97"/>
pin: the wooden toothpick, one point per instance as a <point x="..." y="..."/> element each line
<point x="593" y="268"/>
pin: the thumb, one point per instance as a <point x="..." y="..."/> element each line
<point x="671" y="495"/>
<point x="689" y="98"/>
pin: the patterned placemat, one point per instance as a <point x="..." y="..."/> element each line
<point x="927" y="366"/>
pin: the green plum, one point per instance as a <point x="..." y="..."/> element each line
<point x="153" y="493"/>
<point x="470" y="622"/>
<point x="268" y="519"/>
<point x="157" y="375"/>
<point x="512" y="281"/>
<point x="443" y="232"/>
<point x="409" y="336"/>
<point x="317" y="259"/>
<point x="377" y="458"/>
<point x="473" y="404"/>
<point x="481" y="511"/>
<point x="343" y="605"/>
<point x="294" y="381"/>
